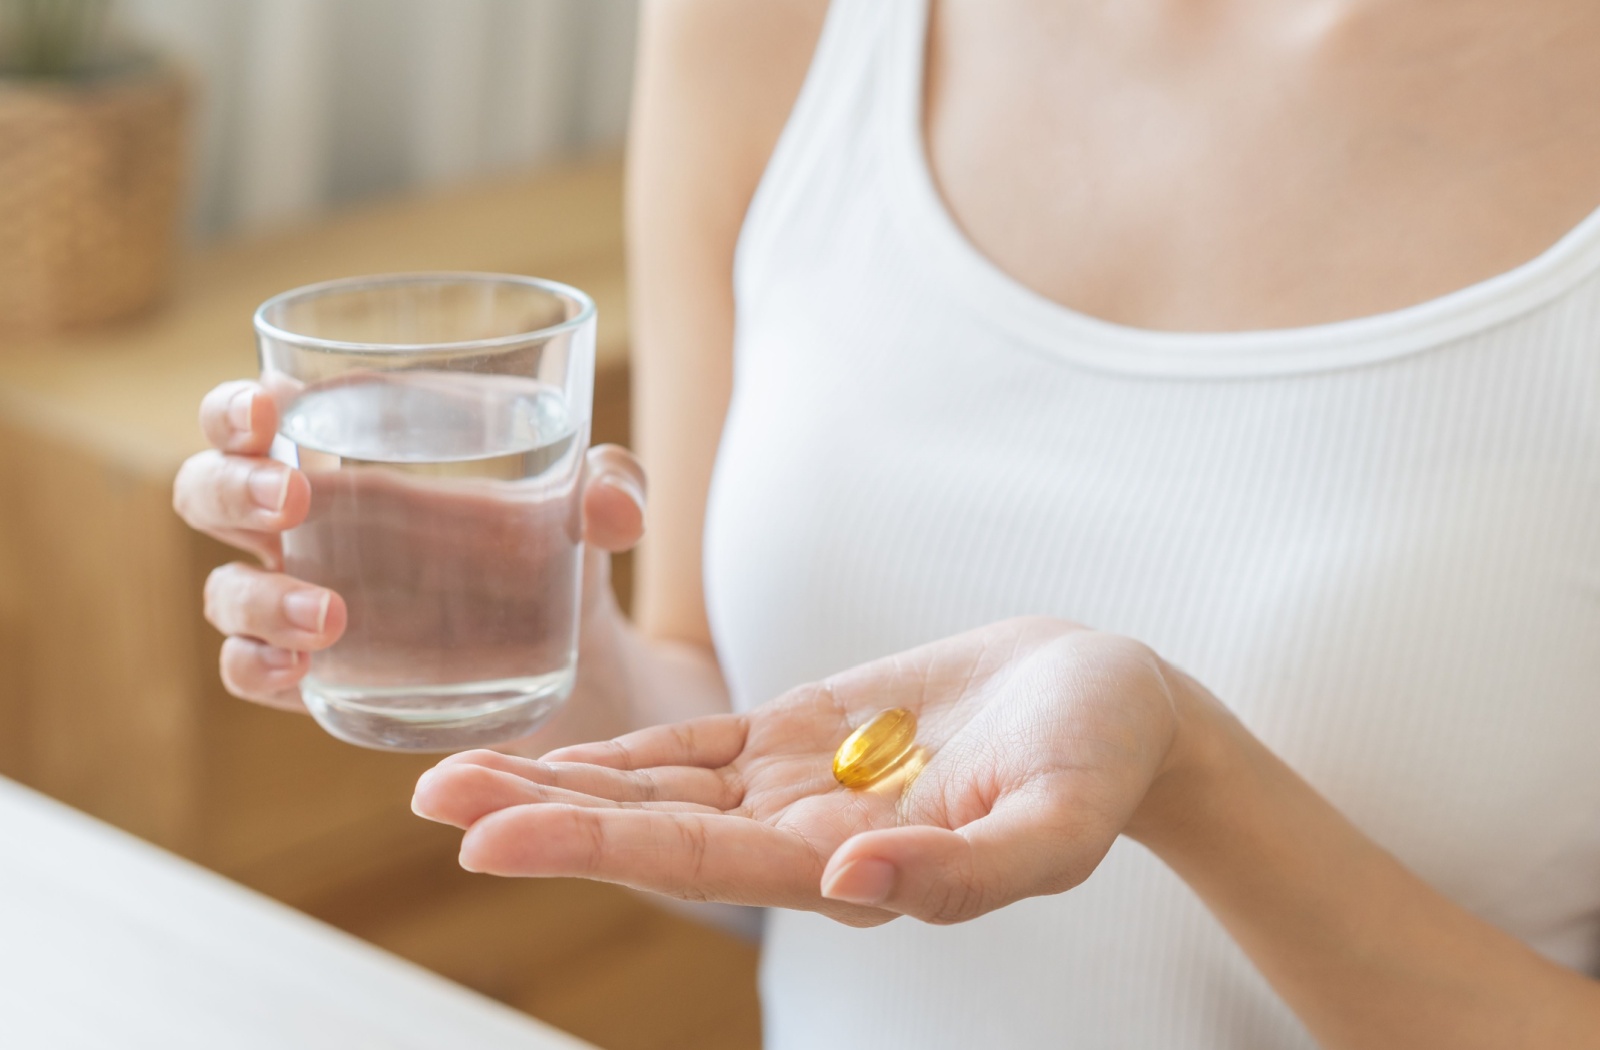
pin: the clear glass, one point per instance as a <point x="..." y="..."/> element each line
<point x="442" y="420"/>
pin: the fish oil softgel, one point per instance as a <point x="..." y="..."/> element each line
<point x="875" y="748"/>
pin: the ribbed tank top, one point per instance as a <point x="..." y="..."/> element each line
<point x="1378" y="541"/>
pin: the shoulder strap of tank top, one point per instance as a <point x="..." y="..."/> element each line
<point x="839" y="103"/>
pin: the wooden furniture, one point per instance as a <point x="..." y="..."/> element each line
<point x="110" y="942"/>
<point x="109" y="697"/>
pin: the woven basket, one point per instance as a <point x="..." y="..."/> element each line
<point x="91" y="177"/>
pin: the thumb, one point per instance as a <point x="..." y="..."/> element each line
<point x="613" y="499"/>
<point x="943" y="876"/>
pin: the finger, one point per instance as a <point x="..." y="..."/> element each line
<point x="464" y="793"/>
<point x="239" y="417"/>
<point x="280" y="610"/>
<point x="693" y="856"/>
<point x="710" y="742"/>
<point x="691" y="784"/>
<point x="613" y="499"/>
<point x="264" y="674"/>
<point x="215" y="492"/>
<point x="943" y="876"/>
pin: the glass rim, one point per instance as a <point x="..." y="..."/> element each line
<point x="268" y="330"/>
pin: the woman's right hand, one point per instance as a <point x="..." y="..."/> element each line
<point x="274" y="622"/>
<point x="234" y="493"/>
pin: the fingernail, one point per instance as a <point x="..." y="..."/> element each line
<point x="865" y="881"/>
<point x="276" y="659"/>
<point x="239" y="407"/>
<point x="307" y="610"/>
<point x="628" y="487"/>
<point x="269" y="487"/>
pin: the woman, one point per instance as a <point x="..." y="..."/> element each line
<point x="1262" y="338"/>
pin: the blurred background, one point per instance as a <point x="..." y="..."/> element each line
<point x="314" y="104"/>
<point x="165" y="165"/>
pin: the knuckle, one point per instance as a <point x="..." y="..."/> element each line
<point x="621" y="754"/>
<point x="234" y="670"/>
<point x="214" y="405"/>
<point x="694" y="836"/>
<point x="212" y="597"/>
<point x="954" y="898"/>
<point x="211" y="409"/>
<point x="189" y="483"/>
<point x="220" y="393"/>
<point x="244" y="676"/>
<point x="689" y="882"/>
<point x="224" y="579"/>
<point x="230" y="591"/>
<point x="958" y="903"/>
<point x="594" y="836"/>
<point x="230" y="489"/>
<point x="645" y="787"/>
<point x="1128" y="652"/>
<point x="211" y="490"/>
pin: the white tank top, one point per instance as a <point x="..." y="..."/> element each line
<point x="1377" y="540"/>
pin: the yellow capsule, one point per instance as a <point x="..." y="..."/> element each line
<point x="875" y="748"/>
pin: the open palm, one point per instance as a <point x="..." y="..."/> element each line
<point x="1037" y="740"/>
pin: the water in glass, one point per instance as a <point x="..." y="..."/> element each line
<point x="446" y="511"/>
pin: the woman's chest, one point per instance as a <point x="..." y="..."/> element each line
<point x="1192" y="172"/>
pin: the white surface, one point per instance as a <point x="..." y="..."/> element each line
<point x="107" y="941"/>
<point x="1378" y="541"/>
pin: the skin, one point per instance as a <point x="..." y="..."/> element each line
<point x="1155" y="163"/>
<point x="1252" y="164"/>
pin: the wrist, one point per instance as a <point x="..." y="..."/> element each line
<point x="1208" y="754"/>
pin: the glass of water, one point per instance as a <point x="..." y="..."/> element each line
<point x="442" y="420"/>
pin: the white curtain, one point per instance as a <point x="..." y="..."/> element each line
<point x="306" y="104"/>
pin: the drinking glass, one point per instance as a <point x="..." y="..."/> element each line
<point x="442" y="420"/>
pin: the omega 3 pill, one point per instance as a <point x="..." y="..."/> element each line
<point x="875" y="748"/>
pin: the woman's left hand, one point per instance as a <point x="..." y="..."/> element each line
<point x="1039" y="743"/>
